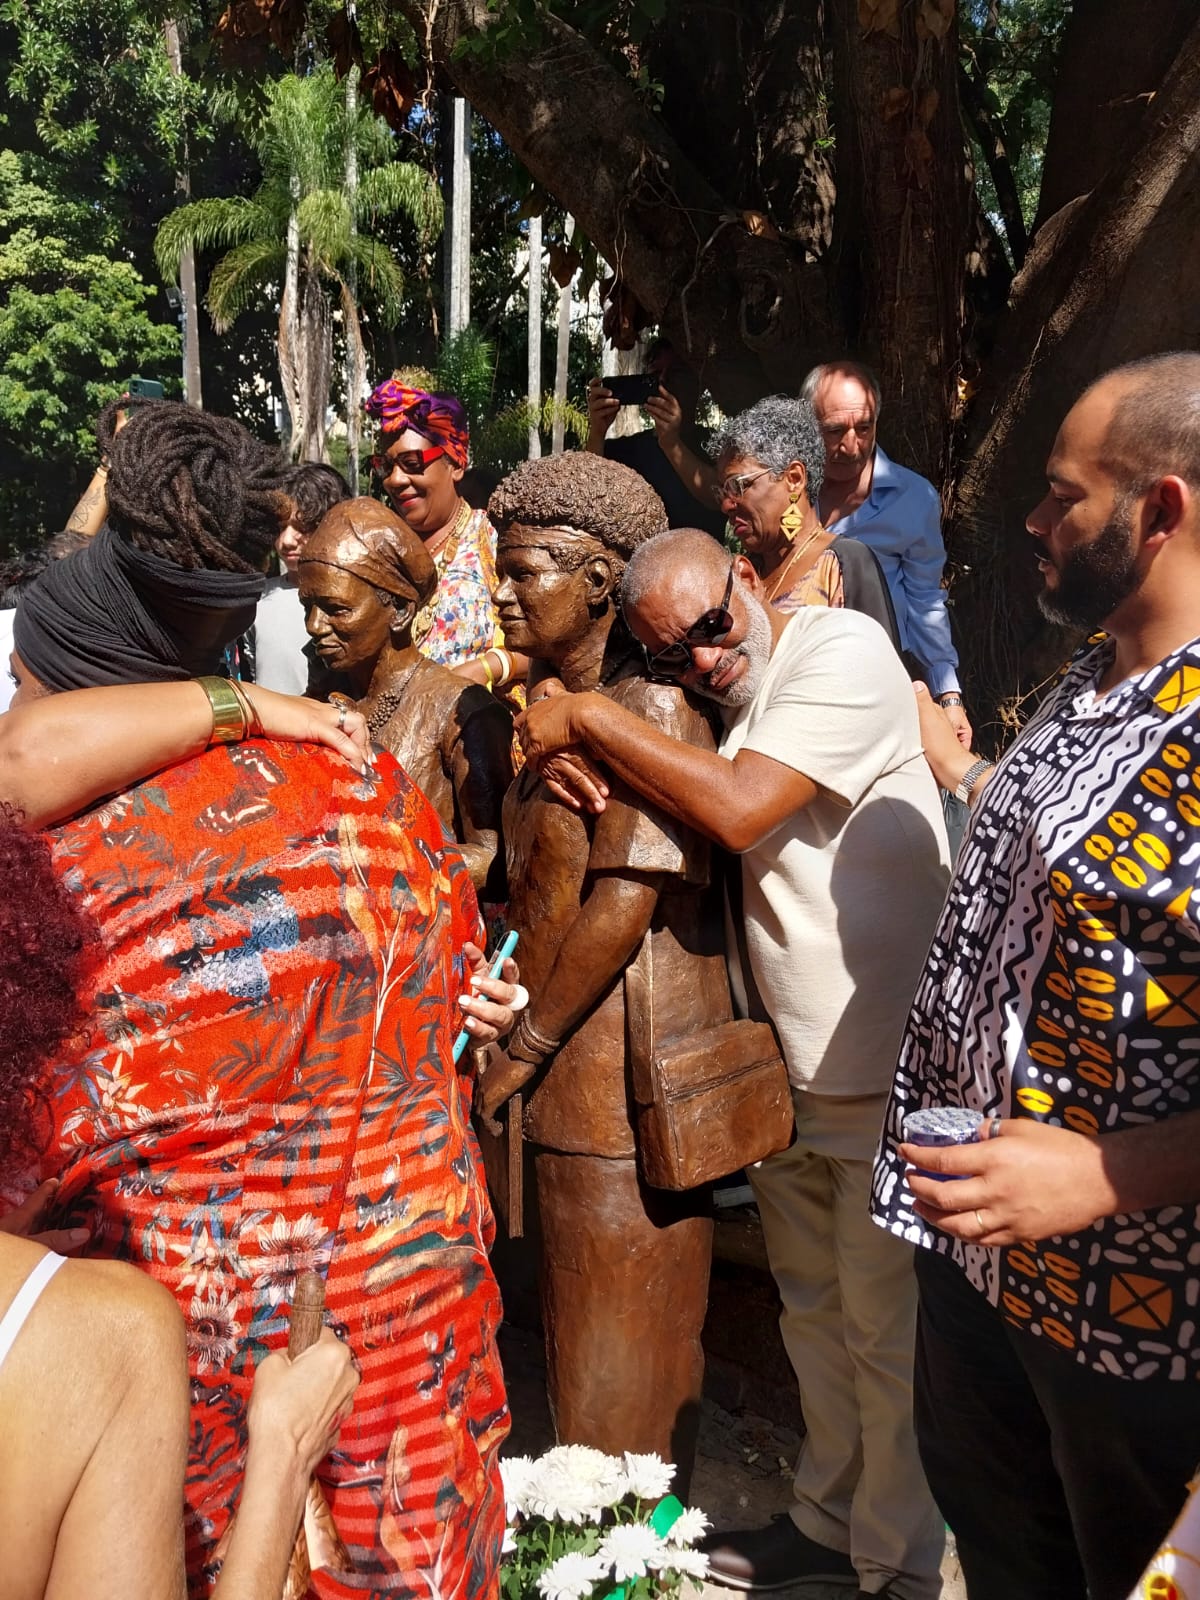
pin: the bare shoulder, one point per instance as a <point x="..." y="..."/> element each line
<point x="118" y="1318"/>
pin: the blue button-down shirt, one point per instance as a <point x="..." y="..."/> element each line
<point x="900" y="520"/>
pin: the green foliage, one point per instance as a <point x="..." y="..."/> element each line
<point x="1012" y="46"/>
<point x="300" y="143"/>
<point x="74" y="327"/>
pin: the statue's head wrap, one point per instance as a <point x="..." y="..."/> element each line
<point x="369" y="541"/>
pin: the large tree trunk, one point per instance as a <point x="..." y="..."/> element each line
<point x="900" y="228"/>
<point x="738" y="305"/>
<point x="1110" y="278"/>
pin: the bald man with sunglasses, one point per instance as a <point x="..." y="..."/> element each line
<point x="821" y="787"/>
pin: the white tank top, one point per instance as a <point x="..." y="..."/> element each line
<point x="26" y="1297"/>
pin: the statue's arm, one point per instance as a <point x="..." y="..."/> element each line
<point x="595" y="951"/>
<point x="480" y="770"/>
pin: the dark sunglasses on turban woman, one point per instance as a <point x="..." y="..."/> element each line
<point x="412" y="463"/>
<point x="672" y="662"/>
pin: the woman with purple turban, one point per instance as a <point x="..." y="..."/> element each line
<point x="421" y="459"/>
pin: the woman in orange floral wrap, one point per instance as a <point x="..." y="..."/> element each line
<point x="267" y="1085"/>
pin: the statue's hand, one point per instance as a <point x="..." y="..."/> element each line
<point x="502" y="1077"/>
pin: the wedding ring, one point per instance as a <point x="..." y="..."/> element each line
<point x="981" y="1222"/>
<point x="342" y="719"/>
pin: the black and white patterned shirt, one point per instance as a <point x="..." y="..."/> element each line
<point x="1063" y="983"/>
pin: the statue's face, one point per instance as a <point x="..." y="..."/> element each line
<point x="549" y="580"/>
<point x="347" y="621"/>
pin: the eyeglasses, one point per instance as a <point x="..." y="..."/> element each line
<point x="673" y="661"/>
<point x="734" y="488"/>
<point x="412" y="463"/>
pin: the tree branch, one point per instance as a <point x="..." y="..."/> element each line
<point x="990" y="136"/>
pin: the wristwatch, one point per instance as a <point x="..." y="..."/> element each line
<point x="969" y="779"/>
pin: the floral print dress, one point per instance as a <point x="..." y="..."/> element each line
<point x="460" y="621"/>
<point x="267" y="1087"/>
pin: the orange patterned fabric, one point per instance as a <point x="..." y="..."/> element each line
<point x="268" y="1088"/>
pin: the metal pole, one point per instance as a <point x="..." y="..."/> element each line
<point x="188" y="320"/>
<point x="535" y="335"/>
<point x="562" y="357"/>
<point x="457" y="186"/>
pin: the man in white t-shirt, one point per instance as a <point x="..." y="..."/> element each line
<point x="822" y="788"/>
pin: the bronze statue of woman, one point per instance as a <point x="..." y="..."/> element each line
<point x="624" y="1267"/>
<point x="364" y="574"/>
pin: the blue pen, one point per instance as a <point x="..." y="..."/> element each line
<point x="497" y="966"/>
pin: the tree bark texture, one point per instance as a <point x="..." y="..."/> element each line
<point x="692" y="209"/>
<point x="1110" y="278"/>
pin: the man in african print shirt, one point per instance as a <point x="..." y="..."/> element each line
<point x="1057" y="1393"/>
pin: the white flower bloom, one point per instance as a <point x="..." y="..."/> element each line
<point x="510" y="1542"/>
<point x="515" y="1473"/>
<point x="691" y="1524"/>
<point x="648" y="1477"/>
<point x="574" y="1483"/>
<point x="571" y="1577"/>
<point x="631" y="1547"/>
<point x="688" y="1563"/>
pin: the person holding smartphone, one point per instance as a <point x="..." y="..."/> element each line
<point x="672" y="387"/>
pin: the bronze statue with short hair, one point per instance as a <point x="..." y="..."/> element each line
<point x="624" y="1267"/>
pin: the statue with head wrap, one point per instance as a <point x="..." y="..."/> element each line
<point x="624" y="1267"/>
<point x="364" y="575"/>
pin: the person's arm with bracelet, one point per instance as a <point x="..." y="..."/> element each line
<point x="92" y="506"/>
<point x="62" y="752"/>
<point x="495" y="669"/>
<point x="963" y="772"/>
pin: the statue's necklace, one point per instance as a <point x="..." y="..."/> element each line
<point x="384" y="709"/>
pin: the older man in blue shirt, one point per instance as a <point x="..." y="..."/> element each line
<point x="893" y="511"/>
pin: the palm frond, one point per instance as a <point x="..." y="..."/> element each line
<point x="380" y="278"/>
<point x="208" y="225"/>
<point x="240" y="277"/>
<point x="402" y="186"/>
<point x="301" y="136"/>
<point x="323" y="217"/>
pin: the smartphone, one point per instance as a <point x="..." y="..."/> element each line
<point x="144" y="389"/>
<point x="634" y="389"/>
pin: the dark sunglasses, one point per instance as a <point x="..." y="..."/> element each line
<point x="412" y="463"/>
<point x="673" y="661"/>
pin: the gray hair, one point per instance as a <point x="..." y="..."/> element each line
<point x="776" y="431"/>
<point x="849" y="369"/>
<point x="670" y="552"/>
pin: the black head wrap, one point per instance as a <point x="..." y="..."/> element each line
<point x="115" y="614"/>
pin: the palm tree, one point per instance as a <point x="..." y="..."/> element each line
<point x="301" y="238"/>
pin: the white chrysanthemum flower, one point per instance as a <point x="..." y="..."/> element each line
<point x="688" y="1563"/>
<point x="510" y="1542"/>
<point x="632" y="1547"/>
<point x="691" y="1524"/>
<point x="515" y="1473"/>
<point x="571" y="1577"/>
<point x="648" y="1477"/>
<point x="574" y="1483"/>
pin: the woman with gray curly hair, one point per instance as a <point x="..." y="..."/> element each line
<point x="770" y="463"/>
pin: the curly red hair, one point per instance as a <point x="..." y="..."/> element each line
<point x="47" y="947"/>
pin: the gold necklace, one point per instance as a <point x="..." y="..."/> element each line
<point x="795" y="555"/>
<point x="442" y="557"/>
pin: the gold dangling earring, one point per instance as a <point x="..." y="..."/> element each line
<point x="792" y="520"/>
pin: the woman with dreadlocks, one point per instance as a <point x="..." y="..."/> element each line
<point x="267" y="1083"/>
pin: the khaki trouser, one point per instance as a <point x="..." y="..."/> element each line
<point x="849" y="1319"/>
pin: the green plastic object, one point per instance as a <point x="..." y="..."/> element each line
<point x="662" y="1519"/>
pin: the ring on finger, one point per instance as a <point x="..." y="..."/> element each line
<point x="341" y="719"/>
<point x="982" y="1224"/>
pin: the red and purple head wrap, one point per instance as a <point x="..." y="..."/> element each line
<point x="439" y="418"/>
